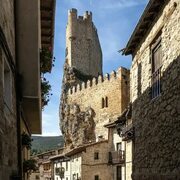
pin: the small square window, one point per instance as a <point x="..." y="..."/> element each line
<point x="96" y="177"/>
<point x="96" y="155"/>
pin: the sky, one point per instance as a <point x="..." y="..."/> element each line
<point x="115" y="21"/>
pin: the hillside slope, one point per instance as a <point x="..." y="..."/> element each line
<point x="45" y="143"/>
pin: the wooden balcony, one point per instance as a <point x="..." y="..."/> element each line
<point x="116" y="157"/>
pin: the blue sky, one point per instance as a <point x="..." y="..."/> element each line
<point x="115" y="20"/>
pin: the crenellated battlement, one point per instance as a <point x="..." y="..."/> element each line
<point x="114" y="75"/>
<point x="73" y="14"/>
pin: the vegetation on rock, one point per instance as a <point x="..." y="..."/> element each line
<point x="46" y="64"/>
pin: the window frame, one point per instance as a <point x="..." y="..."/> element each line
<point x="102" y="103"/>
<point x="96" y="177"/>
<point x="96" y="155"/>
<point x="156" y="71"/>
<point x="106" y="101"/>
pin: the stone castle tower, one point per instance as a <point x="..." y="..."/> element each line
<point x="88" y="99"/>
<point x="83" y="50"/>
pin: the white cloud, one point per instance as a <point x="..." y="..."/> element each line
<point x="118" y="4"/>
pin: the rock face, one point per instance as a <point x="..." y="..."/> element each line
<point x="78" y="126"/>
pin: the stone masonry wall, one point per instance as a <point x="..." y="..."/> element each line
<point x="83" y="50"/>
<point x="100" y="167"/>
<point x="89" y="96"/>
<point x="156" y="121"/>
<point x="7" y="23"/>
<point x="8" y="131"/>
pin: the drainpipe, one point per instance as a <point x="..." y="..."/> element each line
<point x="18" y="99"/>
<point x="125" y="161"/>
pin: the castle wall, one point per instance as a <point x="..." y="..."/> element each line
<point x="114" y="87"/>
<point x="83" y="50"/>
<point x="156" y="121"/>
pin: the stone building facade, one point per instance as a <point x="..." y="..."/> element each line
<point x="20" y="93"/>
<point x="89" y="162"/>
<point x="155" y="91"/>
<point x="8" y="110"/>
<point x="45" y="170"/>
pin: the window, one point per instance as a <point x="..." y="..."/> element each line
<point x="96" y="177"/>
<point x="66" y="166"/>
<point x="156" y="61"/>
<point x="119" y="173"/>
<point x="106" y="102"/>
<point x="103" y="103"/>
<point x="74" y="176"/>
<point x="7" y="84"/>
<point x="96" y="155"/>
<point x="119" y="146"/>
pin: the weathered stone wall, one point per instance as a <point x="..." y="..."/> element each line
<point x="156" y="121"/>
<point x="92" y="167"/>
<point x="8" y="131"/>
<point x="7" y="23"/>
<point x="84" y="106"/>
<point x="83" y="50"/>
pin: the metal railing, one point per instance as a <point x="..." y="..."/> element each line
<point x="116" y="157"/>
<point x="156" y="83"/>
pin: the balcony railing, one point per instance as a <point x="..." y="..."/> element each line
<point x="47" y="173"/>
<point x="156" y="83"/>
<point x="116" y="157"/>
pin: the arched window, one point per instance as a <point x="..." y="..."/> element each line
<point x="106" y="102"/>
<point x="103" y="103"/>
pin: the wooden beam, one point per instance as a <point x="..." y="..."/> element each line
<point x="46" y="9"/>
<point x="45" y="26"/>
<point x="46" y="35"/>
<point x="46" y="19"/>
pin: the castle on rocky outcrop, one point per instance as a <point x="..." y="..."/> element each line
<point x="89" y="99"/>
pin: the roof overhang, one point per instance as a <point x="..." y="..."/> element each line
<point x="150" y="13"/>
<point x="28" y="45"/>
<point x="30" y="36"/>
<point x="47" y="24"/>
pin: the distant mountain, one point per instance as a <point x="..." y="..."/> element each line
<point x="45" y="143"/>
